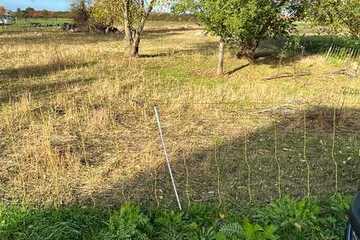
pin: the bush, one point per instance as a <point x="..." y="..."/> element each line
<point x="127" y="223"/>
<point x="295" y="219"/>
<point x="247" y="231"/>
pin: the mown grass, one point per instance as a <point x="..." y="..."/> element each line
<point x="23" y="25"/>
<point x="26" y="22"/>
<point x="77" y="122"/>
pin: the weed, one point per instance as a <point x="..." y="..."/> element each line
<point x="126" y="224"/>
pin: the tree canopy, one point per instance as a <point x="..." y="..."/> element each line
<point x="335" y="16"/>
<point x="132" y="14"/>
<point x="80" y="12"/>
<point x="241" y="24"/>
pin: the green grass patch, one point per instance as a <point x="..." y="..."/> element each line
<point x="26" y="22"/>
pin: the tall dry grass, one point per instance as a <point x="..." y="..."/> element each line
<point x="77" y="124"/>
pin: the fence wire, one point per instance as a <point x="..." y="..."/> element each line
<point x="312" y="152"/>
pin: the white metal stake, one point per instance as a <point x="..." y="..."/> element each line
<point x="166" y="156"/>
<point x="329" y="51"/>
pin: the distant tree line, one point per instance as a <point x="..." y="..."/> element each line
<point x="30" y="12"/>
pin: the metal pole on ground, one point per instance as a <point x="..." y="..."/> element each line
<point x="167" y="157"/>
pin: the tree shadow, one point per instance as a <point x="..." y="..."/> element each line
<point x="12" y="74"/>
<point x="237" y="69"/>
<point x="177" y="29"/>
<point x="12" y="92"/>
<point x="205" y="49"/>
<point x="159" y="35"/>
<point x="56" y="37"/>
<point x="284" y="158"/>
<point x="315" y="44"/>
<point x="69" y="38"/>
<point x="271" y="51"/>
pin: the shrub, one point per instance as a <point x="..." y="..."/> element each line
<point x="127" y="223"/>
<point x="247" y="231"/>
<point x="171" y="225"/>
<point x="295" y="219"/>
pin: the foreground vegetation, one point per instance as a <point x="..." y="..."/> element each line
<point x="283" y="219"/>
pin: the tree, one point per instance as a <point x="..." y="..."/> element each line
<point x="45" y="13"/>
<point x="351" y="16"/>
<point x="80" y="12"/>
<point x="241" y="24"/>
<point x="19" y="13"/>
<point x="28" y="12"/>
<point x="2" y="10"/>
<point x="335" y="15"/>
<point x="132" y="14"/>
<point x="107" y="12"/>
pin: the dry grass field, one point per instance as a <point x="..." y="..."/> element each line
<point x="77" y="121"/>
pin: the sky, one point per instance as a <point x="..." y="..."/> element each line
<point x="37" y="4"/>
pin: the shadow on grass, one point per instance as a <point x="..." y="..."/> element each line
<point x="205" y="49"/>
<point x="312" y="45"/>
<point x="269" y="50"/>
<point x="56" y="37"/>
<point x="11" y="92"/>
<point x="166" y="30"/>
<point x="68" y="38"/>
<point x="13" y="74"/>
<point x="316" y="44"/>
<point x="163" y="33"/>
<point x="257" y="166"/>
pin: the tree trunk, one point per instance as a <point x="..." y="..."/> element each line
<point x="220" y="67"/>
<point x="249" y="52"/>
<point x="127" y="27"/>
<point x="134" y="35"/>
<point x="134" y="52"/>
<point x="250" y="56"/>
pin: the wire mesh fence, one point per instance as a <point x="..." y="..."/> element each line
<point x="242" y="158"/>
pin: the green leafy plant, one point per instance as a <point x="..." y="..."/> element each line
<point x="285" y="218"/>
<point x="127" y="223"/>
<point x="172" y="225"/>
<point x="247" y="231"/>
<point x="334" y="16"/>
<point x="202" y="214"/>
<point x="335" y="214"/>
<point x="292" y="47"/>
<point x="295" y="219"/>
<point x="204" y="233"/>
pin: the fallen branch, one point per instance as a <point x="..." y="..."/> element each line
<point x="345" y="72"/>
<point x="287" y="75"/>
